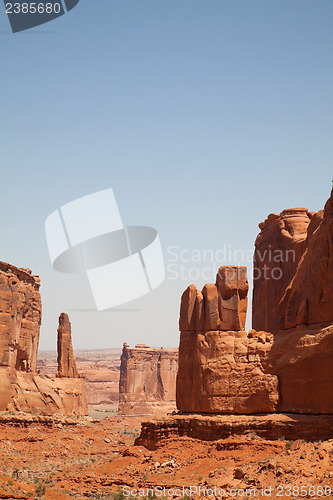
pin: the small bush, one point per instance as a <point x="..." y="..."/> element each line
<point x="40" y="490"/>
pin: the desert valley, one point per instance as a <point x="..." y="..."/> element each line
<point x="228" y="414"/>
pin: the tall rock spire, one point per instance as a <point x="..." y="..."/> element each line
<point x="66" y="361"/>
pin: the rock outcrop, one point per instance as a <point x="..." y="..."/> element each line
<point x="220" y="369"/>
<point x="147" y="380"/>
<point x="278" y="250"/>
<point x="21" y="387"/>
<point x="287" y="368"/>
<point x="20" y="318"/>
<point x="154" y="434"/>
<point x="308" y="298"/>
<point x="66" y="360"/>
<point x="220" y="306"/>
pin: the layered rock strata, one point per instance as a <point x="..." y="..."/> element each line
<point x="21" y="387"/>
<point x="278" y="250"/>
<point x="20" y="318"/>
<point x="308" y="298"/>
<point x="220" y="369"/>
<point x="288" y="369"/>
<point x="214" y="428"/>
<point x="147" y="380"/>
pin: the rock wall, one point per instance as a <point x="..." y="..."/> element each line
<point x="232" y="372"/>
<point x="155" y="433"/>
<point x="220" y="369"/>
<point x="309" y="296"/>
<point x="278" y="250"/>
<point x="102" y="385"/>
<point x="147" y="380"/>
<point x="21" y="387"/>
<point x="223" y="372"/>
<point x="20" y="318"/>
<point x="289" y="369"/>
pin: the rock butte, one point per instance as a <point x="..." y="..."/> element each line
<point x="147" y="382"/>
<point x="285" y="364"/>
<point x="21" y="387"/>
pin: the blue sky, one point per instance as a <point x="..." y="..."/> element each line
<point x="203" y="116"/>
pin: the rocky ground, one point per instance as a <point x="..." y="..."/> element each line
<point x="95" y="459"/>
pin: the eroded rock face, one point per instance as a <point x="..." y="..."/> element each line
<point x="21" y="387"/>
<point x="278" y="250"/>
<point x="289" y="370"/>
<point x="66" y="360"/>
<point x="309" y="296"/>
<point x="229" y="372"/>
<point x="293" y="270"/>
<point x="301" y="358"/>
<point x="155" y="433"/>
<point x="220" y="306"/>
<point x="222" y="372"/>
<point x="220" y="368"/>
<point x="147" y="379"/>
<point x="20" y="318"/>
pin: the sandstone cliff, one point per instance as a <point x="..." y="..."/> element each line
<point x="309" y="296"/>
<point x="21" y="387"/>
<point x="147" y="380"/>
<point x="232" y="372"/>
<point x="220" y="369"/>
<point x="288" y="369"/>
<point x="278" y="250"/>
<point x="20" y="318"/>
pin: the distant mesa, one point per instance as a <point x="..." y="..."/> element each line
<point x="147" y="383"/>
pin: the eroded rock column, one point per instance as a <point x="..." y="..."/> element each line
<point x="66" y="360"/>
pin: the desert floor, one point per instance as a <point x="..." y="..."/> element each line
<point x="96" y="458"/>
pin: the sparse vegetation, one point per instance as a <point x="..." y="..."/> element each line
<point x="40" y="489"/>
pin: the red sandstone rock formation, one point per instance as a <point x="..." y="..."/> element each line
<point x="21" y="388"/>
<point x="147" y="379"/>
<point x="218" y="307"/>
<point x="155" y="433"/>
<point x="293" y="270"/>
<point x="309" y="297"/>
<point x="222" y="372"/>
<point x="289" y="370"/>
<point x="219" y="368"/>
<point x="66" y="360"/>
<point x="301" y="358"/>
<point x="278" y="250"/>
<point x="20" y="318"/>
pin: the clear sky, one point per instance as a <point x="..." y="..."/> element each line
<point x="203" y="116"/>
